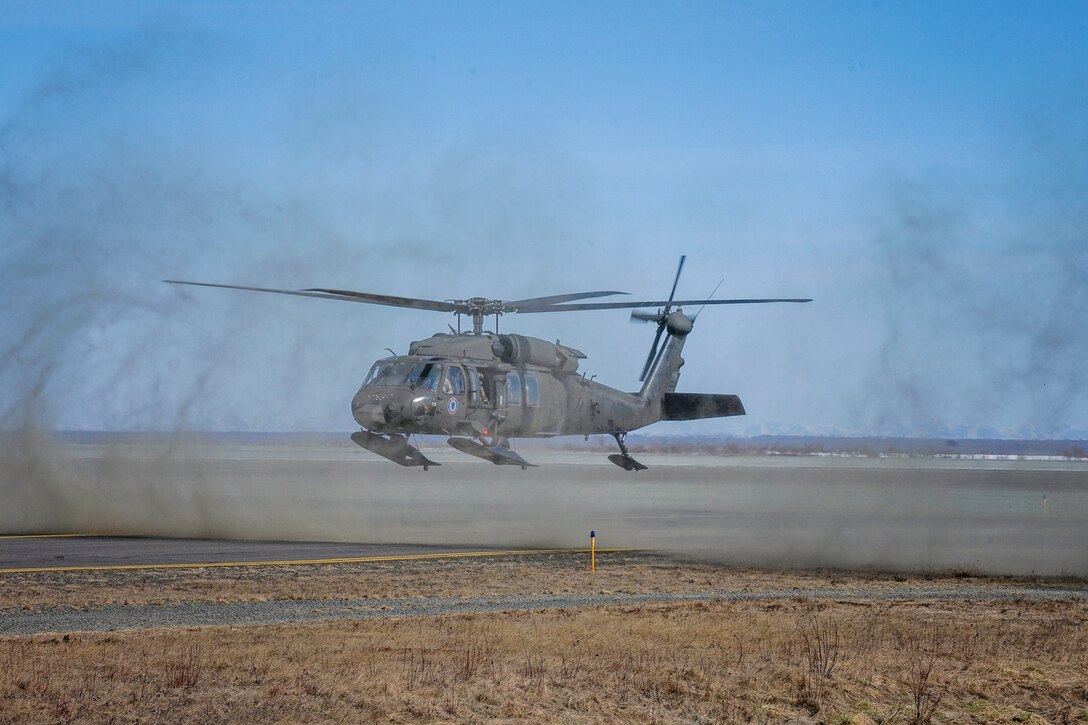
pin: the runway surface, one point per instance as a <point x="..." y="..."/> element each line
<point x="80" y="553"/>
<point x="997" y="517"/>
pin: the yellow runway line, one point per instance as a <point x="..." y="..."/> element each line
<point x="305" y="562"/>
<point x="49" y="536"/>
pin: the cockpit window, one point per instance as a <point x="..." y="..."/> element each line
<point x="403" y="372"/>
<point x="391" y="373"/>
<point x="372" y="374"/>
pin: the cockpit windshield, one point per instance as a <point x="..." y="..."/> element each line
<point x="402" y="372"/>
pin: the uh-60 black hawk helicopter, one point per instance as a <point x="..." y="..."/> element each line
<point x="482" y="388"/>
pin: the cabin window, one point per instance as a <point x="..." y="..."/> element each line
<point x="473" y="388"/>
<point x="513" y="389"/>
<point x="485" y="390"/>
<point x="372" y="374"/>
<point x="455" y="381"/>
<point x="532" y="391"/>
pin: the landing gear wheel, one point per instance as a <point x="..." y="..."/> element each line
<point x="623" y="458"/>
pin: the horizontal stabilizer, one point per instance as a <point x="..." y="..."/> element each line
<point x="692" y="406"/>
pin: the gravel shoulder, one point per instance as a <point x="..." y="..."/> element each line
<point x="203" y="614"/>
<point x="122" y="600"/>
<point x="552" y="573"/>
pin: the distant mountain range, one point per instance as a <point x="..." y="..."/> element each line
<point x="958" y="432"/>
<point x="847" y="445"/>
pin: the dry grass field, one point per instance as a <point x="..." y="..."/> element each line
<point x="759" y="661"/>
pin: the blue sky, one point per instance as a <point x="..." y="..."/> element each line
<point x="918" y="168"/>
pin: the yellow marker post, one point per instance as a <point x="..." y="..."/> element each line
<point x="593" y="551"/>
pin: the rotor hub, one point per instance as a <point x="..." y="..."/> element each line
<point x="480" y="307"/>
<point x="678" y="323"/>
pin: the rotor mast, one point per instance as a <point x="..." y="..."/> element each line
<point x="478" y="308"/>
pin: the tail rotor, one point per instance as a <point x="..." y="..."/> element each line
<point x="661" y="318"/>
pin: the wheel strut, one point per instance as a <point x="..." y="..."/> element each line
<point x="620" y="438"/>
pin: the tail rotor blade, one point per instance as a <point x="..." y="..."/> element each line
<point x="660" y="318"/>
<point x="653" y="353"/>
<point x="676" y="281"/>
<point x="640" y="316"/>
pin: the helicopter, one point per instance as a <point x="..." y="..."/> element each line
<point x="482" y="389"/>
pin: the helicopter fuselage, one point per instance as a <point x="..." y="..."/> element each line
<point x="477" y="385"/>
<point x="482" y="389"/>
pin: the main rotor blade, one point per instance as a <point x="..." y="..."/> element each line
<point x="554" y="299"/>
<point x="390" y="300"/>
<point x="655" y="303"/>
<point x="341" y="295"/>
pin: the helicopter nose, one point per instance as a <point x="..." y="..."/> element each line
<point x="382" y="409"/>
<point x="367" y="410"/>
<point x="369" y="416"/>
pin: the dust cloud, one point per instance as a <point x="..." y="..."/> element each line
<point x="95" y="211"/>
<point x="982" y="294"/>
<point x="100" y="201"/>
<point x="893" y="515"/>
<point x="116" y="173"/>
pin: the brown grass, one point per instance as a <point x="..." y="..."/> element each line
<point x="741" y="662"/>
<point x="765" y="662"/>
